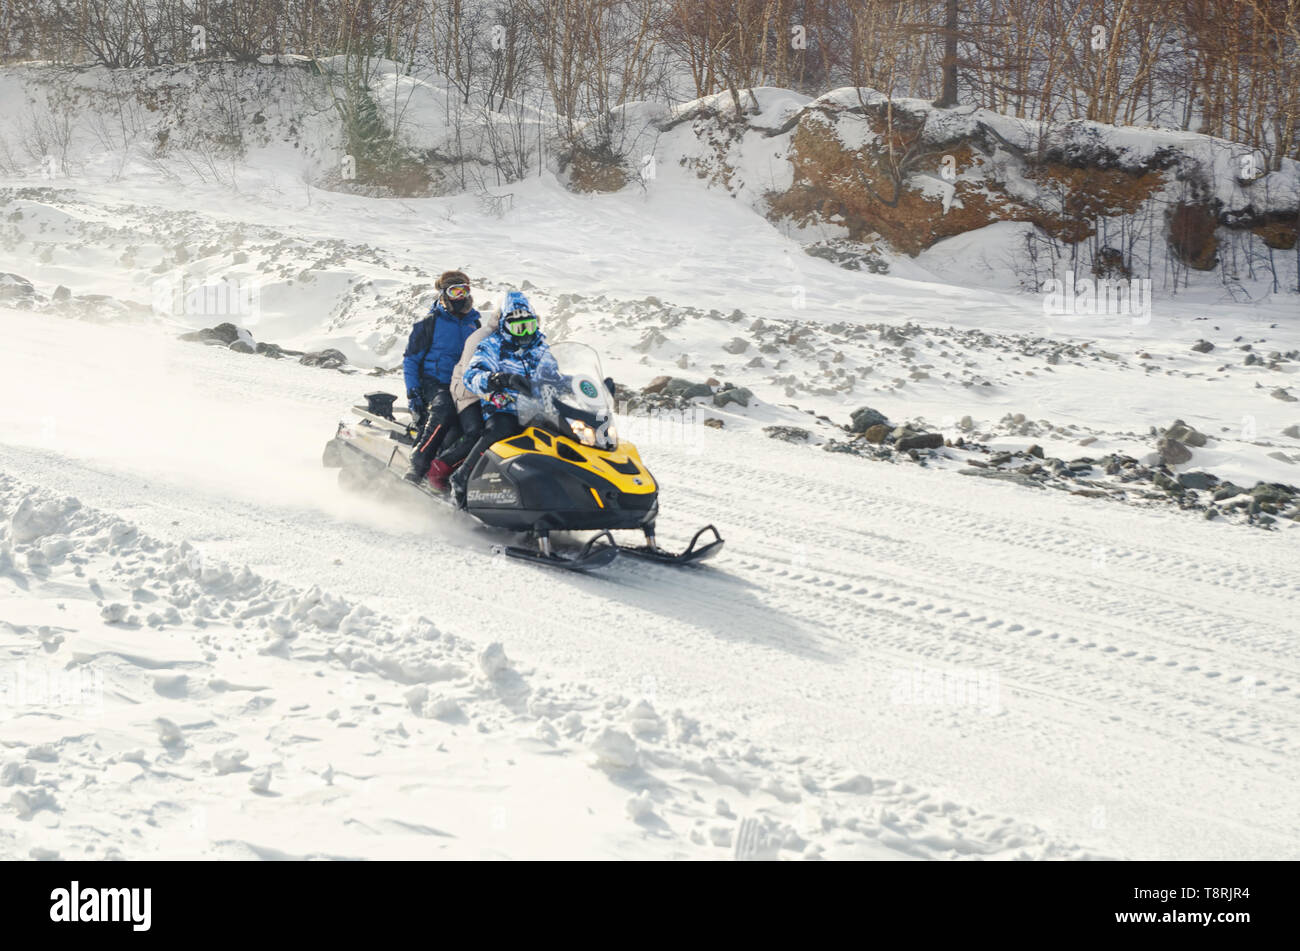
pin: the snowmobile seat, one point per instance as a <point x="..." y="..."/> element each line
<point x="380" y="404"/>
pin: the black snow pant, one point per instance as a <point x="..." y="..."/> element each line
<point x="499" y="426"/>
<point x="439" y="415"/>
<point x="471" y="428"/>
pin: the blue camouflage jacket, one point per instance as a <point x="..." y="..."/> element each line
<point x="498" y="354"/>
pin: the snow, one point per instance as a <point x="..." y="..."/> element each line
<point x="207" y="649"/>
<point x="354" y="675"/>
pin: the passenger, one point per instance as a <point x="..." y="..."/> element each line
<point x="468" y="408"/>
<point x="434" y="348"/>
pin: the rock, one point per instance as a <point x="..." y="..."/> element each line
<point x="1036" y="451"/>
<point x="62" y="293"/>
<point x="1281" y="394"/>
<point x="226" y="333"/>
<point x="1227" y="490"/>
<point x="919" y="441"/>
<point x="1197" y="480"/>
<point x="1087" y="440"/>
<point x="242" y="346"/>
<point x="1185" y="434"/>
<point x="713" y="423"/>
<point x="866" y="417"/>
<point x="15" y="287"/>
<point x="787" y="433"/>
<point x="1172" y="452"/>
<point x="1292" y="431"/>
<point x="222" y="335"/>
<point x="1271" y="492"/>
<point x="877" y="433"/>
<point x="1202" y="346"/>
<point x="1281" y="457"/>
<point x="272" y="350"/>
<point x="1169" y="484"/>
<point x="686" y="390"/>
<point x="968" y="424"/>
<point x="657" y="384"/>
<point x="740" y="394"/>
<point x="1003" y="476"/>
<point x="328" y="359"/>
<point x="736" y="345"/>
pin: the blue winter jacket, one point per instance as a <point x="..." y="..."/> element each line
<point x="499" y="354"/>
<point x="436" y="346"/>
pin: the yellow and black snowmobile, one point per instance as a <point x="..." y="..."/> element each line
<point x="568" y="471"/>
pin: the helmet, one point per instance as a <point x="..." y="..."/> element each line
<point x="456" y="296"/>
<point x="518" y="321"/>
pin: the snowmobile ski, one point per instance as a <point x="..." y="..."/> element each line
<point x="590" y="556"/>
<point x="692" y="555"/>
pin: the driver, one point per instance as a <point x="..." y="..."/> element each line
<point x="498" y="373"/>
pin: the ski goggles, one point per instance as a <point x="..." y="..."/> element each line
<point x="456" y="291"/>
<point x="525" y="325"/>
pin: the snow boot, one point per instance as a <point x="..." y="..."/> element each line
<point x="438" y="473"/>
<point x="460" y="487"/>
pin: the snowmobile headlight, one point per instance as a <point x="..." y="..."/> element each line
<point x="583" y="431"/>
<point x="611" y="436"/>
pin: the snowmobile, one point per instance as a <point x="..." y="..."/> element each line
<point x="568" y="471"/>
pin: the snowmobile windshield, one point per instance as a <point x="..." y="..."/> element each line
<point x="570" y="397"/>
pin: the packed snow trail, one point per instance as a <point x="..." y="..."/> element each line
<point x="1119" y="677"/>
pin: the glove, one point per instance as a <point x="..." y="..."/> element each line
<point x="500" y="382"/>
<point x="415" y="402"/>
<point x="609" y="385"/>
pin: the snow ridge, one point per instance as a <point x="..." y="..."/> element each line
<point x="224" y="714"/>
